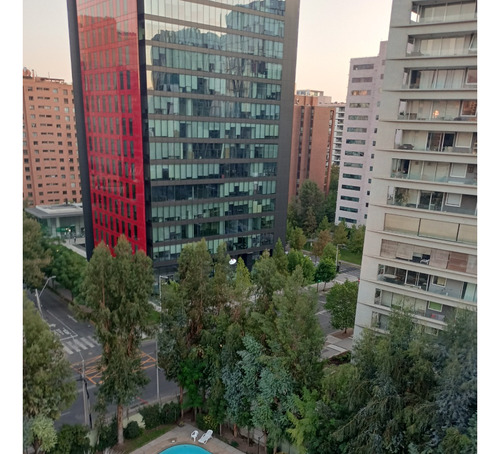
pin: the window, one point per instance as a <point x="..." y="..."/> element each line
<point x="363" y="66"/>
<point x="469" y="108"/>
<point x="435" y="306"/>
<point x="454" y="200"/>
<point x="471" y="78"/>
<point x="439" y="280"/>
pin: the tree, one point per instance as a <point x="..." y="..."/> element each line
<point x="172" y="337"/>
<point x="319" y="245"/>
<point x="330" y="252"/>
<point x="68" y="266"/>
<point x="242" y="282"/>
<point x="340" y="235"/>
<point x="296" y="258"/>
<point x="341" y="302"/>
<point x="309" y="222"/>
<point x="114" y="297"/>
<point x="324" y="225"/>
<point x="72" y="439"/>
<point x="297" y="336"/>
<point x="297" y="239"/>
<point x="310" y="197"/>
<point x="325" y="271"/>
<point x="35" y="256"/>
<point x="48" y="388"/>
<point x="43" y="434"/>
<point x="357" y="239"/>
<point x="280" y="258"/>
<point x="267" y="280"/>
<point x="194" y="268"/>
<point x="47" y="385"/>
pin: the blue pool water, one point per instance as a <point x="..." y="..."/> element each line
<point x="185" y="449"/>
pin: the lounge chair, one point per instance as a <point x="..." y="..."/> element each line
<point x="206" y="436"/>
<point x="194" y="435"/>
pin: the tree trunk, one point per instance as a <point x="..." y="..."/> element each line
<point x="181" y="395"/>
<point x="235" y="428"/>
<point x="119" y="420"/>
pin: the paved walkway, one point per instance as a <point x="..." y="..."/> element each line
<point x="182" y="435"/>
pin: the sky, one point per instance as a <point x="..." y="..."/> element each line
<point x="325" y="44"/>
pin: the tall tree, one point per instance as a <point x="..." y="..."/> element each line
<point x="267" y="279"/>
<point x="324" y="225"/>
<point x="341" y="302"/>
<point x="340" y="234"/>
<point x="357" y="239"/>
<point x="47" y="385"/>
<point x="173" y="334"/>
<point x="309" y="222"/>
<point x="319" y="245"/>
<point x="297" y="336"/>
<point x="280" y="258"/>
<point x="325" y="271"/>
<point x="68" y="266"/>
<point x="297" y="239"/>
<point x="310" y="197"/>
<point x="195" y="266"/>
<point x="35" y="255"/>
<point x="114" y="297"/>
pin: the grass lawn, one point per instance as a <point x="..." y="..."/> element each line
<point x="347" y="256"/>
<point x="146" y="436"/>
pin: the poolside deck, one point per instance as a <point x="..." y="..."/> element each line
<point x="182" y="436"/>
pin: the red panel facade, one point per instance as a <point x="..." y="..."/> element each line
<point x="109" y="61"/>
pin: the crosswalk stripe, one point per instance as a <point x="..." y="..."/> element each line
<point x="85" y="340"/>
<point x="72" y="346"/>
<point x="67" y="350"/>
<point x="80" y="344"/>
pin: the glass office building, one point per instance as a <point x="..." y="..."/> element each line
<point x="184" y="112"/>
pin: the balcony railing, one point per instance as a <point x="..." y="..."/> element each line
<point x="471" y="180"/>
<point x="420" y="117"/>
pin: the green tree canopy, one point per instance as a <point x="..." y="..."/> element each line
<point x="297" y="239"/>
<point x="115" y="298"/>
<point x="68" y="267"/>
<point x="48" y="388"/>
<point x="319" y="245"/>
<point x="35" y="255"/>
<point x="340" y="234"/>
<point x="341" y="302"/>
<point x="325" y="271"/>
<point x="47" y="385"/>
<point x="357" y="239"/>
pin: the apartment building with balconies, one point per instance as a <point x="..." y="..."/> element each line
<point x="421" y="240"/>
<point x="359" y="138"/>
<point x="51" y="172"/>
<point x="313" y="140"/>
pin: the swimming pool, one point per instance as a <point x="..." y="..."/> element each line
<point x="185" y="449"/>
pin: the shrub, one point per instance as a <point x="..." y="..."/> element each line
<point x="205" y="422"/>
<point x="151" y="416"/>
<point x="72" y="439"/>
<point x="108" y="435"/>
<point x="170" y="412"/>
<point x="132" y="430"/>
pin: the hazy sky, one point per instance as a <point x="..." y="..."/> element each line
<point x="331" y="32"/>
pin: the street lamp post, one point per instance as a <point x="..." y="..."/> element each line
<point x="38" y="295"/>
<point x="167" y="278"/>
<point x="337" y="258"/>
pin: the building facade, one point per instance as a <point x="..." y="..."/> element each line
<point x="359" y="139"/>
<point x="50" y="153"/>
<point x="186" y="109"/>
<point x="421" y="240"/>
<point x="338" y="132"/>
<point x="312" y="141"/>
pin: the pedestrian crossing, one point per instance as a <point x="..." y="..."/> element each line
<point x="78" y="344"/>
